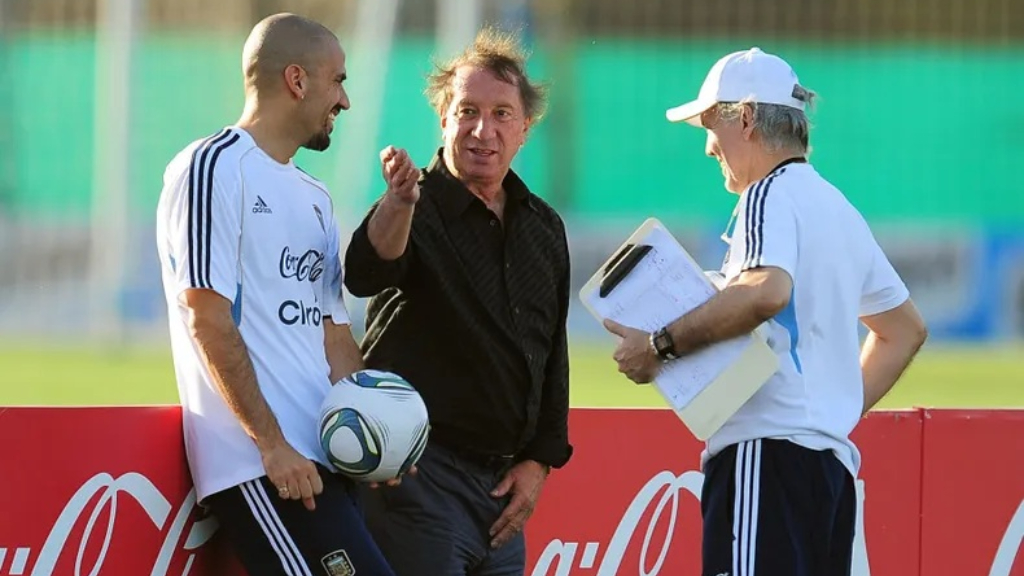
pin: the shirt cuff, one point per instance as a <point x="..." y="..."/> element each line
<point x="553" y="452"/>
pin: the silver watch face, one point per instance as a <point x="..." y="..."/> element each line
<point x="666" y="352"/>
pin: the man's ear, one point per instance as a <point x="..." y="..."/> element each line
<point x="296" y="80"/>
<point x="747" y="120"/>
<point x="526" y="130"/>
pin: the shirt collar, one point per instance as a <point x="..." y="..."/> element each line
<point x="774" y="172"/>
<point x="788" y="161"/>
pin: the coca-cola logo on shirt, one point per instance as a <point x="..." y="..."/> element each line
<point x="306" y="266"/>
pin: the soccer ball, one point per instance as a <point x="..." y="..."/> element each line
<point x="373" y="426"/>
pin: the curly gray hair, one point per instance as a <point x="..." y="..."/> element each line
<point x="500" y="52"/>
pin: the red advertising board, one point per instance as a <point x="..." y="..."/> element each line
<point x="98" y="491"/>
<point x="629" y="502"/>
<point x="889" y="483"/>
<point x="973" y="496"/>
<point x="105" y="491"/>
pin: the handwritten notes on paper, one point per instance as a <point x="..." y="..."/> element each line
<point x="663" y="286"/>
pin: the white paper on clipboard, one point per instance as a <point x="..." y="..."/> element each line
<point x="704" y="388"/>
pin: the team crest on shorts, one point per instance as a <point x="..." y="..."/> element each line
<point x="337" y="564"/>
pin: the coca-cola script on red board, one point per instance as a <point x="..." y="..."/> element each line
<point x="105" y="492"/>
<point x="629" y="503"/>
<point x="100" y="491"/>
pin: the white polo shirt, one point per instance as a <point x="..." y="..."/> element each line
<point x="795" y="220"/>
<point x="263" y="235"/>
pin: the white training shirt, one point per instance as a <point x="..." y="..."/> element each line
<point x="263" y="235"/>
<point x="795" y="220"/>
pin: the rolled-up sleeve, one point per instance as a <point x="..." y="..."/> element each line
<point x="366" y="273"/>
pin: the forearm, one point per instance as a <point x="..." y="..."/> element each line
<point x="379" y="253"/>
<point x="882" y="363"/>
<point x="343" y="354"/>
<point x="735" y="311"/>
<point x="227" y="358"/>
<point x="389" y="227"/>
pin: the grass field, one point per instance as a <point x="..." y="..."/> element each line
<point x="78" y="375"/>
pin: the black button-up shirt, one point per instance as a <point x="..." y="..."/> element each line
<point x="474" y="316"/>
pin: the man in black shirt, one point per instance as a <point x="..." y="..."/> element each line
<point x="469" y="277"/>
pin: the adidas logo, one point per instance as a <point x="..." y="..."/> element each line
<point x="261" y="207"/>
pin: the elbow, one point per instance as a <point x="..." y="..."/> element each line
<point x="770" y="303"/>
<point x="359" y="287"/>
<point x="366" y="274"/>
<point x="910" y="341"/>
<point x="918" y="335"/>
<point x="386" y="252"/>
<point x="914" y="331"/>
<point x="357" y="277"/>
<point x="909" y="338"/>
<point x="370" y="281"/>
<point x="771" y="290"/>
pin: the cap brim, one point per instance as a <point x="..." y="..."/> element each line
<point x="689" y="112"/>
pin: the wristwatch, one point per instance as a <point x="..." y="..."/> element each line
<point x="663" y="345"/>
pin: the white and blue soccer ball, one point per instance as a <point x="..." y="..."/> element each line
<point x="373" y="426"/>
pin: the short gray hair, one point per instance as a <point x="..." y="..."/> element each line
<point x="780" y="127"/>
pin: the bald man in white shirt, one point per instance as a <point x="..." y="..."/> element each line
<point x="249" y="252"/>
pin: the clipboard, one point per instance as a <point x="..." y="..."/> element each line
<point x="651" y="280"/>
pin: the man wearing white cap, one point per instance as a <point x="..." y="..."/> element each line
<point x="778" y="494"/>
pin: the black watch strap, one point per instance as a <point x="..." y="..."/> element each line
<point x="663" y="344"/>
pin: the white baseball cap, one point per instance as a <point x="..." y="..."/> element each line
<point x="751" y="75"/>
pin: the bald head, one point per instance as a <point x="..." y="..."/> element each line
<point x="282" y="40"/>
